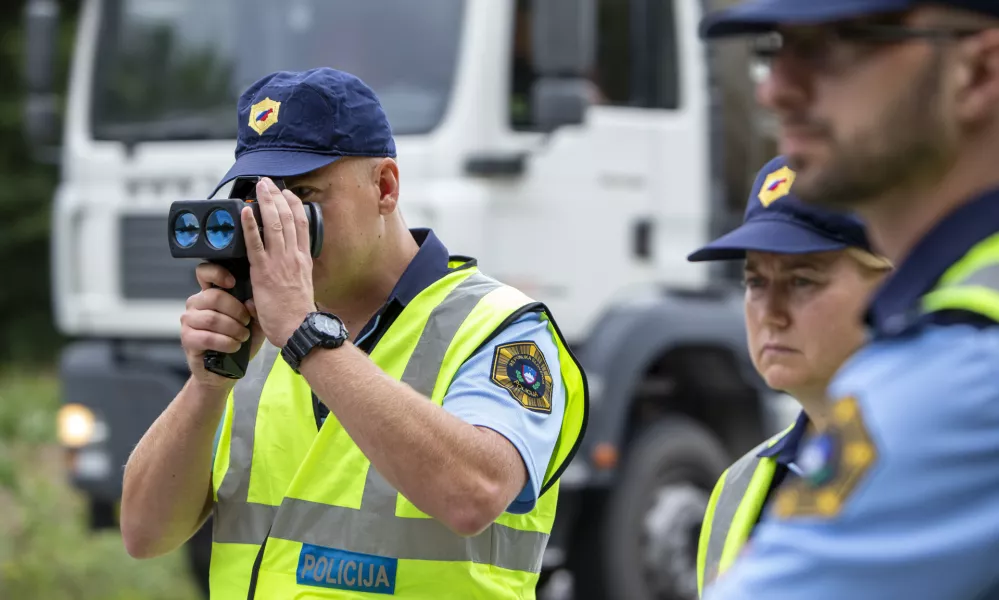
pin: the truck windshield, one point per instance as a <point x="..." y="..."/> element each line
<point x="174" y="69"/>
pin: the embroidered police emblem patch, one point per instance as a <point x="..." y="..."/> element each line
<point x="776" y="186"/>
<point x="832" y="465"/>
<point x="263" y="114"/>
<point x="818" y="459"/>
<point x="520" y="368"/>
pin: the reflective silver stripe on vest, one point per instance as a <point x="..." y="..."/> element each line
<point x="733" y="491"/>
<point x="406" y="538"/>
<point x="374" y="528"/>
<point x="987" y="277"/>
<point x="242" y="522"/>
<point x="235" y="520"/>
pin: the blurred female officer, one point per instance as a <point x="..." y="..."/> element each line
<point x="808" y="275"/>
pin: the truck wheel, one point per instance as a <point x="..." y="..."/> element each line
<point x="654" y="512"/>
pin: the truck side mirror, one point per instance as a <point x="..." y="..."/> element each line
<point x="563" y="41"/>
<point x="41" y="108"/>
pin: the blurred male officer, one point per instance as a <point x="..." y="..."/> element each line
<point x="418" y="458"/>
<point x="891" y="108"/>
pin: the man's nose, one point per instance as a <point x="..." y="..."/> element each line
<point x="785" y="87"/>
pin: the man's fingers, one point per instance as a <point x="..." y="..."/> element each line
<point x="285" y="213"/>
<point x="251" y="237"/>
<point x="216" y="322"/>
<point x="251" y="307"/>
<point x="272" y="225"/>
<point x="301" y="221"/>
<point x="208" y="340"/>
<point x="209" y="274"/>
<point x="220" y="301"/>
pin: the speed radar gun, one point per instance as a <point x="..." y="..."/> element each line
<point x="211" y="230"/>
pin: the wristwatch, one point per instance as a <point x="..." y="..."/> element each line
<point x="318" y="329"/>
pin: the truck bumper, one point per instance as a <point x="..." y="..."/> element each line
<point x="124" y="386"/>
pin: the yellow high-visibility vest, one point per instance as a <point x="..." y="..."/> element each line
<point x="971" y="284"/>
<point x="302" y="513"/>
<point x="735" y="505"/>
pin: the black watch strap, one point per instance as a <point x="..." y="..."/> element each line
<point x="307" y="337"/>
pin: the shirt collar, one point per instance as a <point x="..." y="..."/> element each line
<point x="785" y="450"/>
<point x="430" y="263"/>
<point x="896" y="304"/>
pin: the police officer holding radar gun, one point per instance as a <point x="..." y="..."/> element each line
<point x="890" y="108"/>
<point x="387" y="419"/>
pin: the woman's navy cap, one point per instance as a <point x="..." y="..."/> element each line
<point x="753" y="16"/>
<point x="291" y="123"/>
<point x="776" y="221"/>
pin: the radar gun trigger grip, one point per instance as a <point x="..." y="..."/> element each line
<point x="212" y="230"/>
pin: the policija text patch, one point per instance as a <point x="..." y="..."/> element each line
<point x="342" y="570"/>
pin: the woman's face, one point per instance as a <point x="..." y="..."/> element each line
<point x="803" y="316"/>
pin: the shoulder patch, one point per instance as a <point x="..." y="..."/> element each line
<point x="520" y="368"/>
<point x="832" y="464"/>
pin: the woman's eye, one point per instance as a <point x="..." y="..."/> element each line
<point x="752" y="282"/>
<point x="802" y="282"/>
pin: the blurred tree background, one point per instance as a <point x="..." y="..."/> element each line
<point x="27" y="330"/>
<point x="46" y="549"/>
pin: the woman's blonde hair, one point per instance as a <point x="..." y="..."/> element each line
<point x="868" y="260"/>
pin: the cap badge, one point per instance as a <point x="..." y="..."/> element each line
<point x="263" y="114"/>
<point x="776" y="186"/>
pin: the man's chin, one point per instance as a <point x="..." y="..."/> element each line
<point x="808" y="173"/>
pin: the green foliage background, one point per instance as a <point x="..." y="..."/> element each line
<point x="27" y="331"/>
<point x="46" y="549"/>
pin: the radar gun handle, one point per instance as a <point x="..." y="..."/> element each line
<point x="233" y="365"/>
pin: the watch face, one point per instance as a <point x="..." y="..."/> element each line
<point x="326" y="326"/>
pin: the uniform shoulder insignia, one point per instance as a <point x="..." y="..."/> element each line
<point x="832" y="463"/>
<point x="521" y="369"/>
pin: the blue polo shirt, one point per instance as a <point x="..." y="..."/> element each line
<point x="785" y="450"/>
<point x="785" y="454"/>
<point x="473" y="396"/>
<point x="901" y="499"/>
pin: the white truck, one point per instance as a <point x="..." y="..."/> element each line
<point x="578" y="148"/>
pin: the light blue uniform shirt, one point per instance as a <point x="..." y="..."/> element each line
<point x="475" y="399"/>
<point x="473" y="396"/>
<point x="922" y="521"/>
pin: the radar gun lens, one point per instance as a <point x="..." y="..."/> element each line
<point x="220" y="228"/>
<point x="185" y="230"/>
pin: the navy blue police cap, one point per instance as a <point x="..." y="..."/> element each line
<point x="755" y="16"/>
<point x="291" y="123"/>
<point x="777" y="221"/>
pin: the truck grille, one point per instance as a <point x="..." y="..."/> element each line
<point x="148" y="272"/>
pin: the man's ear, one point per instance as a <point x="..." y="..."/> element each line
<point x="386" y="173"/>
<point x="979" y="77"/>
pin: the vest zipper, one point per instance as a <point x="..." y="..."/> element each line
<point x="256" y="567"/>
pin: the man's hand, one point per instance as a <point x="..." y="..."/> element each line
<point x="215" y="320"/>
<point x="280" y="263"/>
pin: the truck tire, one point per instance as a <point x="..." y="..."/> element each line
<point x="653" y="515"/>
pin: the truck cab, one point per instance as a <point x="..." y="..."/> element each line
<point x="574" y="147"/>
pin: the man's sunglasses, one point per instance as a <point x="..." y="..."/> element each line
<point x="820" y="41"/>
